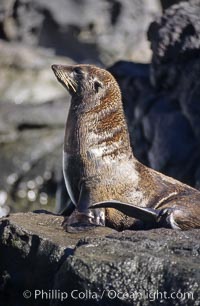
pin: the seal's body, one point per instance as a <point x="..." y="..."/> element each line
<point x="99" y="166"/>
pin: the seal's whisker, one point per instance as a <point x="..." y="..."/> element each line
<point x="65" y="80"/>
<point x="67" y="85"/>
<point x="59" y="74"/>
<point x="72" y="80"/>
<point x="72" y="85"/>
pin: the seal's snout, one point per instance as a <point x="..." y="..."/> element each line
<point x="64" y="76"/>
<point x="53" y="67"/>
<point x="65" y="68"/>
<point x="59" y="68"/>
<point x="56" y="68"/>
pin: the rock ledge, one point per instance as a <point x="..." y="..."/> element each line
<point x="97" y="267"/>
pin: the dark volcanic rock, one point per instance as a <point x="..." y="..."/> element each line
<point x="174" y="147"/>
<point x="161" y="100"/>
<point x="33" y="246"/>
<point x="175" y="38"/>
<point x="175" y="71"/>
<point x="177" y="32"/>
<point x="98" y="264"/>
<point x="167" y="3"/>
<point x="142" y="263"/>
<point x="161" y="134"/>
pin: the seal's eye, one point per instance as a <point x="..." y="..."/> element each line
<point x="97" y="85"/>
<point x="77" y="70"/>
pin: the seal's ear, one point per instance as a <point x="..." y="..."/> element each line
<point x="142" y="213"/>
<point x="97" y="86"/>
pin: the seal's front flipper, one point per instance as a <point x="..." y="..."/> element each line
<point x="82" y="218"/>
<point x="78" y="222"/>
<point x="145" y="214"/>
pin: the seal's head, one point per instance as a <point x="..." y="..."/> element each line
<point x="87" y="81"/>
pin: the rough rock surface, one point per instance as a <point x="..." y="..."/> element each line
<point x="97" y="264"/>
<point x="74" y="29"/>
<point x="175" y="39"/>
<point x="175" y="72"/>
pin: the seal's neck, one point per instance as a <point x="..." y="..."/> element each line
<point x="101" y="128"/>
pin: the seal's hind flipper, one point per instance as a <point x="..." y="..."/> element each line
<point x="142" y="213"/>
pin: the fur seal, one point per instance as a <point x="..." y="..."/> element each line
<point x="105" y="182"/>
